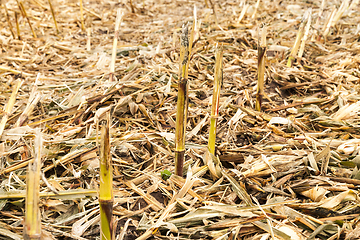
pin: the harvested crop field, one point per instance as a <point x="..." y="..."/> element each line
<point x="91" y="81"/>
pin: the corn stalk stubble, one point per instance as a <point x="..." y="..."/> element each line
<point x="215" y="100"/>
<point x="182" y="103"/>
<point x="261" y="69"/>
<point x="32" y="226"/>
<point x="106" y="181"/>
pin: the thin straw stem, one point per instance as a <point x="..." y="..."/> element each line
<point x="53" y="15"/>
<point x="82" y="15"/>
<point x="23" y="12"/>
<point x="17" y="25"/>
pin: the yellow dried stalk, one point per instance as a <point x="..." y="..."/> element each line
<point x="9" y="106"/>
<point x="106" y="198"/>
<point x="23" y="12"/>
<point x="306" y="35"/>
<point x="261" y="68"/>
<point x="218" y="78"/>
<point x="53" y="15"/>
<point x="299" y="36"/>
<point x="8" y="21"/>
<point x="32" y="226"/>
<point x="82" y="15"/>
<point x="182" y="102"/>
<point x="119" y="16"/>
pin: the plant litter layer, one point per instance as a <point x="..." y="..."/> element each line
<point x="289" y="171"/>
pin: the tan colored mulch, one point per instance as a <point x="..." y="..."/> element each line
<point x="290" y="171"/>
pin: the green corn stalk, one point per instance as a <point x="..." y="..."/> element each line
<point x="218" y="78"/>
<point x="32" y="226"/>
<point x="182" y="101"/>
<point x="106" y="181"/>
<point x="261" y="68"/>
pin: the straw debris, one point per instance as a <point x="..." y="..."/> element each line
<point x="287" y="170"/>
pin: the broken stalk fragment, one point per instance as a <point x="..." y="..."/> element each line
<point x="119" y="16"/>
<point x="32" y="226"/>
<point x="182" y="102"/>
<point x="261" y="68"/>
<point x="218" y="78"/>
<point x="296" y="46"/>
<point x="106" y="181"/>
<point x="306" y="35"/>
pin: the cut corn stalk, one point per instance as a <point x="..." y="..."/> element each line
<point x="106" y="181"/>
<point x="299" y="36"/>
<point x="119" y="16"/>
<point x="261" y="68"/>
<point x="32" y="226"/>
<point x="218" y="78"/>
<point x="182" y="102"/>
<point x="306" y="35"/>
